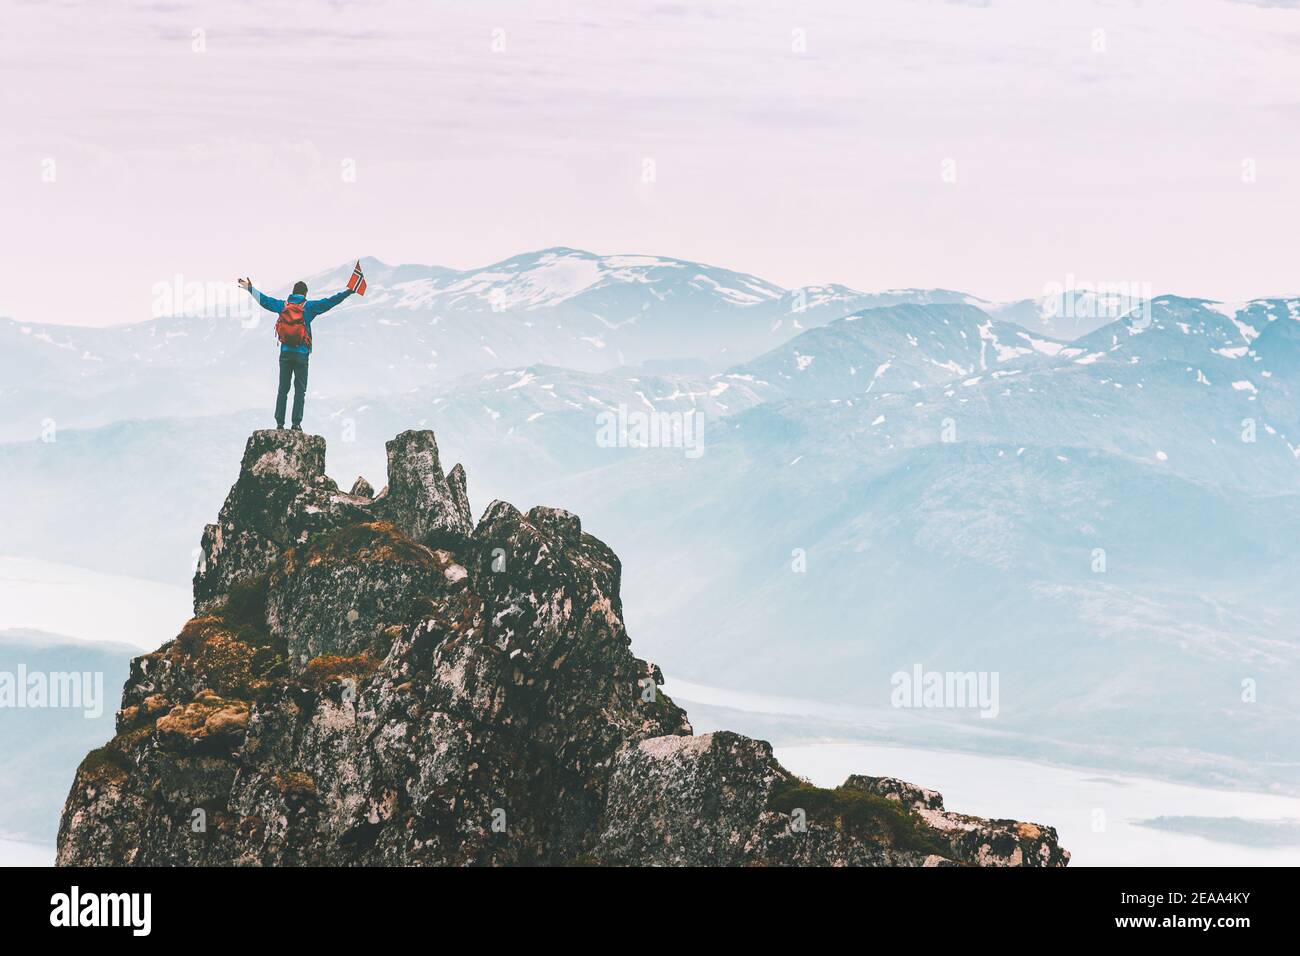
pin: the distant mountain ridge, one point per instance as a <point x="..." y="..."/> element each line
<point x="43" y="746"/>
<point x="422" y="324"/>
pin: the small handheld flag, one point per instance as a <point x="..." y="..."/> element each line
<point x="358" y="281"/>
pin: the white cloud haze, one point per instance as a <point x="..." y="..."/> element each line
<point x="800" y="167"/>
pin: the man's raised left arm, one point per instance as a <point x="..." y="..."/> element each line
<point x="318" y="306"/>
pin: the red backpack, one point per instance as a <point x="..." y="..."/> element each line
<point x="291" y="328"/>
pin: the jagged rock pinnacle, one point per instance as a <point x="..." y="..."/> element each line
<point x="374" y="679"/>
<point x="422" y="502"/>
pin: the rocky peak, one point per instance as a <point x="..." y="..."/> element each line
<point x="425" y="505"/>
<point x="290" y="456"/>
<point x="378" y="679"/>
<point x="282" y="497"/>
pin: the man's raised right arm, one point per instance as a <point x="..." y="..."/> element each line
<point x="265" y="301"/>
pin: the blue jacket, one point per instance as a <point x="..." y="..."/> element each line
<point x="309" y="310"/>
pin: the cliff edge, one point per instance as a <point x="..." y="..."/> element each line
<point x="377" y="679"/>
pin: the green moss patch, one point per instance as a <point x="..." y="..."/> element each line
<point x="106" y="763"/>
<point x="365" y="542"/>
<point x="113" y="761"/>
<point x="231" y="649"/>
<point x="663" y="709"/>
<point x="245" y="606"/>
<point x="863" y="815"/>
<point x="215" y="653"/>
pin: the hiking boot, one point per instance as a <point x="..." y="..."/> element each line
<point x="297" y="428"/>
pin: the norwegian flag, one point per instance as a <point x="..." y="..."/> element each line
<point x="358" y="281"/>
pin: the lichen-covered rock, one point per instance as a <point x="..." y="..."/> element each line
<point x="723" y="799"/>
<point x="908" y="794"/>
<point x="374" y="680"/>
<point x="343" y="591"/>
<point x="420" y="500"/>
<point x="281" y="497"/>
<point x="691" y="801"/>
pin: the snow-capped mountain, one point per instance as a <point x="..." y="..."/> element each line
<point x="423" y="325"/>
<point x="1113" y="537"/>
<point x="548" y="278"/>
<point x="1186" y="329"/>
<point x="949" y="476"/>
<point x="1071" y="312"/>
<point x="417" y="325"/>
<point x="895" y="348"/>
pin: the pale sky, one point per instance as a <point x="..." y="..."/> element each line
<point x="1110" y="141"/>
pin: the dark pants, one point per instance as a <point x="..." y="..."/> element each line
<point x="293" y="366"/>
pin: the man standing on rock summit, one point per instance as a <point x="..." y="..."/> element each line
<point x="293" y="329"/>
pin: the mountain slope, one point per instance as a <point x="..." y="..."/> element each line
<point x="43" y="745"/>
<point x="893" y="349"/>
<point x="820" y="570"/>
<point x="416" y="325"/>
<point x="211" y="349"/>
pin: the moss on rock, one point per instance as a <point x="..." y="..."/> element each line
<point x="863" y="815"/>
<point x="207" y="720"/>
<point x="106" y="763"/>
<point x="361" y="543"/>
<point x="329" y="667"/>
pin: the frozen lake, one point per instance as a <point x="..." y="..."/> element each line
<point x="89" y="605"/>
